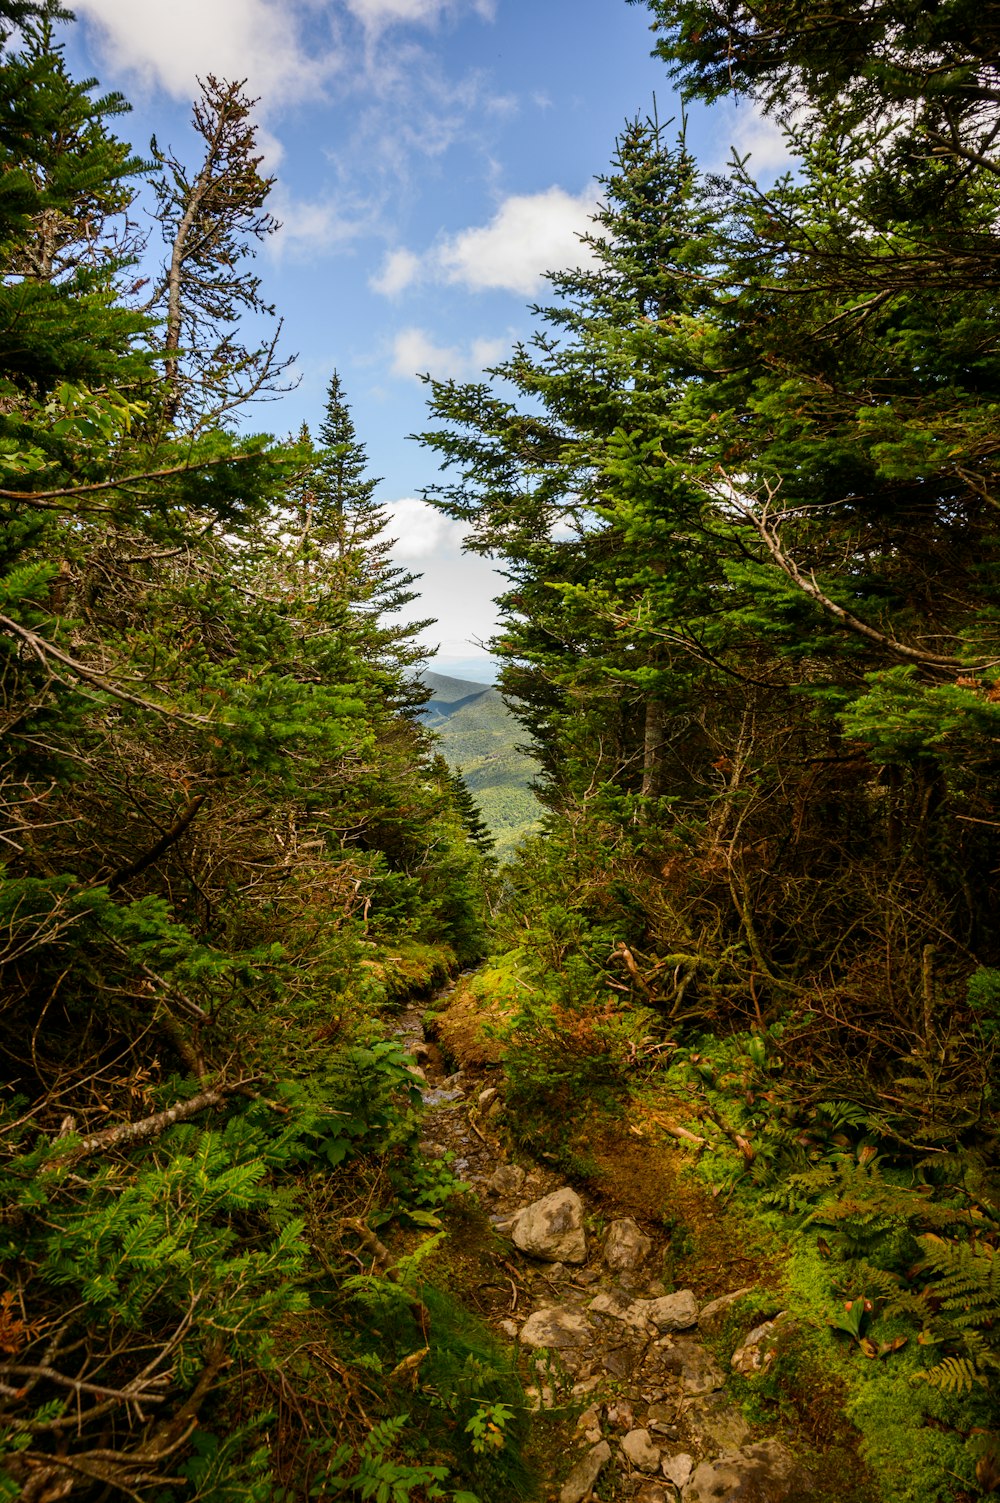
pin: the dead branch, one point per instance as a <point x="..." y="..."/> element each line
<point x="127" y="1133"/>
<point x="180" y="824"/>
<point x="766" y="526"/>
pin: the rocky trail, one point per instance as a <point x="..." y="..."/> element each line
<point x="597" y="1330"/>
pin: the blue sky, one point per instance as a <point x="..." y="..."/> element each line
<point x="433" y="158"/>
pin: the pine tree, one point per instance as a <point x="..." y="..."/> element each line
<point x="344" y="523"/>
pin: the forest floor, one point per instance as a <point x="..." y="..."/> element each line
<point x="659" y="1359"/>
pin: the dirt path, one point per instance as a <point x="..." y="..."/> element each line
<point x="597" y="1329"/>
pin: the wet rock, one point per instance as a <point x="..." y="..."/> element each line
<point x="507" y="1180"/>
<point x="713" y="1315"/>
<point x="639" y="1451"/>
<point x="626" y="1247"/>
<point x="562" y="1329"/>
<point x="552" y="1228"/>
<point x="715" y="1424"/>
<point x="696" y="1368"/>
<point x="674" y="1312"/>
<point x="630" y="1314"/>
<point x="761" y="1346"/>
<point x="765" y="1473"/>
<point x="677" y="1469"/>
<point x="585" y="1473"/>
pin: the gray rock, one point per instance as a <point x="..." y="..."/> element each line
<point x="633" y="1315"/>
<point x="674" y="1312"/>
<point x="552" y="1228"/>
<point x="507" y="1180"/>
<point x="486" y="1098"/>
<point x="696" y="1368"/>
<point x="713" y="1315"/>
<point x="716" y="1424"/>
<point x="765" y="1473"/>
<point x="677" y="1469"/>
<point x="509" y="1328"/>
<point x="585" y="1473"/>
<point x="626" y="1247"/>
<point x="638" y="1448"/>
<point x="562" y="1329"/>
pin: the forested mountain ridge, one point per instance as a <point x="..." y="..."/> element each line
<point x="480" y="737"/>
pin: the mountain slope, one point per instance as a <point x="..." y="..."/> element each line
<point x="479" y="735"/>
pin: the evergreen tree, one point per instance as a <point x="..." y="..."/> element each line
<point x="342" y="522"/>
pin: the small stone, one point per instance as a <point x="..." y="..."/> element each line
<point x="552" y="1228"/>
<point x="417" y="1072"/>
<point x="626" y="1247"/>
<point x="539" y="1398"/>
<point x="587" y="1385"/>
<point x="620" y="1415"/>
<point x="585" y="1473"/>
<point x="507" y="1180"/>
<point x="760" y="1346"/>
<point x="638" y="1448"/>
<point x="509" y="1328"/>
<point x="486" y="1098"/>
<point x="677" y="1469"/>
<point x="563" y="1329"/>
<point x="713" y="1315"/>
<point x="587" y="1276"/>
<point x="589" y="1418"/>
<point x="674" y="1312"/>
<point x="652" y="1492"/>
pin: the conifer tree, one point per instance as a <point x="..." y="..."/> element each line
<point x="344" y="523"/>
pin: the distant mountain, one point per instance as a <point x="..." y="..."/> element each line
<point x="480" y="735"/>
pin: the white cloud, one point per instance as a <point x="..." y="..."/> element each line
<point x="750" y="132"/>
<point x="377" y="14"/>
<point x="310" y="227"/>
<point x="400" y="269"/>
<point x="414" y="353"/>
<point x="422" y="532"/>
<point x="168" y="42"/>
<point x="529" y="234"/>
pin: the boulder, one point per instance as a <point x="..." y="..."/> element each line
<point x="557" y="1327"/>
<point x="765" y="1473"/>
<point x="552" y="1228"/>
<point x="626" y="1247"/>
<point x="674" y="1312"/>
<point x="638" y="1449"/>
<point x="585" y="1473"/>
<point x="713" y="1315"/>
